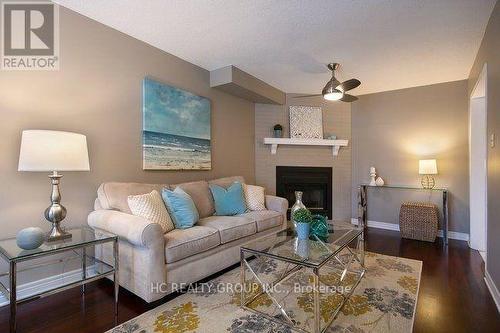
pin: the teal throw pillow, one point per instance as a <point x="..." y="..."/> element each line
<point x="181" y="208"/>
<point x="230" y="201"/>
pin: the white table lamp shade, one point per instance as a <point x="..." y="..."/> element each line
<point x="427" y="167"/>
<point x="43" y="150"/>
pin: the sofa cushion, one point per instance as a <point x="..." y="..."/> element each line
<point x="181" y="208"/>
<point x="227" y="181"/>
<point x="183" y="243"/>
<point x="255" y="198"/>
<point x="230" y="227"/>
<point x="230" y="201"/>
<point x="151" y="207"/>
<point x="201" y="195"/>
<point x="264" y="219"/>
<point x="114" y="195"/>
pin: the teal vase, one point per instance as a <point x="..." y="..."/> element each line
<point x="303" y="230"/>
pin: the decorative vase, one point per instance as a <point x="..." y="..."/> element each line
<point x="278" y="133"/>
<point x="297" y="205"/>
<point x="373" y="174"/>
<point x="319" y="227"/>
<point x="30" y="238"/>
<point x="302" y="230"/>
<point x="379" y="181"/>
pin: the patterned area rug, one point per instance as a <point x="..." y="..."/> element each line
<point x="384" y="301"/>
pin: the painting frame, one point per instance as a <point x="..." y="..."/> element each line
<point x="176" y="128"/>
<point x="306" y="122"/>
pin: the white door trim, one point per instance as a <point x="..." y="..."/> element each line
<point x="478" y="97"/>
<point x="493" y="289"/>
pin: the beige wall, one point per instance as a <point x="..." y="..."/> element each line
<point x="336" y="120"/>
<point x="98" y="92"/>
<point x="393" y="130"/>
<point x="489" y="53"/>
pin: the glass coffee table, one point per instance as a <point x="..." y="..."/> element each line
<point x="71" y="260"/>
<point x="302" y="284"/>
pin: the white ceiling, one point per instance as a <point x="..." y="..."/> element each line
<point x="387" y="44"/>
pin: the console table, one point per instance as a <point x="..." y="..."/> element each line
<point x="76" y="248"/>
<point x="363" y="203"/>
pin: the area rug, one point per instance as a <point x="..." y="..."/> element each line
<point x="384" y="301"/>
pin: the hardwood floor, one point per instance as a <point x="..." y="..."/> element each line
<point x="452" y="298"/>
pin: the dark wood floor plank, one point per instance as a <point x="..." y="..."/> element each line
<point x="452" y="297"/>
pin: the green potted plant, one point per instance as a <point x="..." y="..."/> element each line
<point x="302" y="219"/>
<point x="278" y="131"/>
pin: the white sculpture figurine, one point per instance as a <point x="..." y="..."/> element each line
<point x="373" y="174"/>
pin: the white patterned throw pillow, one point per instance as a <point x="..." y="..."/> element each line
<point x="254" y="197"/>
<point x="151" y="207"/>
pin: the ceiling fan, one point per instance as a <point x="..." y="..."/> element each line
<point x="335" y="90"/>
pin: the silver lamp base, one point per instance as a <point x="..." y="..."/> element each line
<point x="56" y="212"/>
<point x="57" y="233"/>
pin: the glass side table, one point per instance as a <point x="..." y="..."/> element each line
<point x="73" y="261"/>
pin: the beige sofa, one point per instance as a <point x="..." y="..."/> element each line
<point x="151" y="263"/>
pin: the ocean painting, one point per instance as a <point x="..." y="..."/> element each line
<point x="176" y="129"/>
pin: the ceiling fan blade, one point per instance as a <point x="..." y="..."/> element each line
<point x="349" y="84"/>
<point x="300" y="96"/>
<point x="348" y="98"/>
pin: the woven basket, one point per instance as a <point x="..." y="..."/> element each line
<point x="418" y="220"/>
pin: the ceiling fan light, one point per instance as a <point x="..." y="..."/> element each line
<point x="333" y="95"/>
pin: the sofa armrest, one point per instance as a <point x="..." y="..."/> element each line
<point x="277" y="204"/>
<point x="142" y="251"/>
<point x="135" y="229"/>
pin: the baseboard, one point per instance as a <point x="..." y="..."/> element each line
<point x="493" y="289"/>
<point x="45" y="284"/>
<point x="483" y="255"/>
<point x="379" y="225"/>
<point x="395" y="227"/>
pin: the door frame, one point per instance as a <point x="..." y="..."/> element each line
<point x="480" y="90"/>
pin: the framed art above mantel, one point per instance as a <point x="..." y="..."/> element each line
<point x="306" y="122"/>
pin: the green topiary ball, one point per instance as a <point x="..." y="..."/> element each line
<point x="302" y="215"/>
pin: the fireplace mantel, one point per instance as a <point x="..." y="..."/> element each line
<point x="335" y="144"/>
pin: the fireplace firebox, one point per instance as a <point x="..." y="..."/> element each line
<point x="314" y="182"/>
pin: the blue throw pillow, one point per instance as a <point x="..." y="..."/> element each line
<point x="230" y="201"/>
<point x="181" y="208"/>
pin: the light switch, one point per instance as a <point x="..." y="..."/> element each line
<point x="492" y="140"/>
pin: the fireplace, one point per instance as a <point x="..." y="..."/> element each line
<point x="314" y="182"/>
